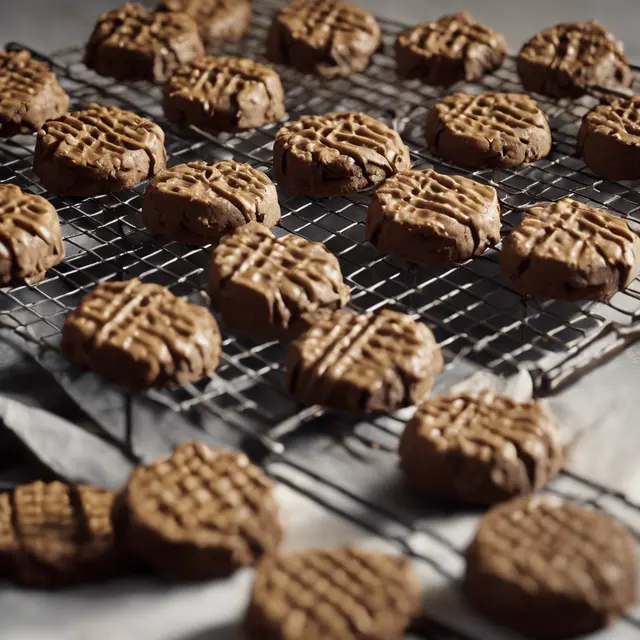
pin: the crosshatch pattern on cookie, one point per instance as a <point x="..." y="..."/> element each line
<point x="168" y="339"/>
<point x="207" y="496"/>
<point x="101" y="130"/>
<point x="363" y="594"/>
<point x="30" y="237"/>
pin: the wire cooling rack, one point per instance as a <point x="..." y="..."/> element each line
<point x="469" y="306"/>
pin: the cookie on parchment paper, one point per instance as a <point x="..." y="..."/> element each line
<point x="140" y="335"/>
<point x="97" y="150"/>
<point x="431" y="218"/>
<point x="369" y="362"/>
<point x="30" y="94"/>
<point x="488" y="130"/>
<point x="445" y="51"/>
<point x="568" y="250"/>
<point x="199" y="513"/>
<point x="323" y="37"/>
<point x="609" y="139"/>
<point x="224" y="94"/>
<point x="132" y="43"/>
<point x="480" y="448"/>
<point x="219" y="21"/>
<point x="565" y="60"/>
<point x="199" y="203"/>
<point x="30" y="237"/>
<point x="551" y="569"/>
<point x="337" y="153"/>
<point x="56" y="535"/>
<point x="333" y="594"/>
<point x="267" y="286"/>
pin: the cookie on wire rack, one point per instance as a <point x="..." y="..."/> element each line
<point x="445" y="51"/>
<point x="219" y="21"/>
<point x="564" y="61"/>
<point x="139" y="335"/>
<point x="480" y="448"/>
<point x="431" y="218"/>
<point x="224" y="94"/>
<point x="609" y="139"/>
<point x="30" y="94"/>
<point x="549" y="568"/>
<point x="199" y="203"/>
<point x="337" y="154"/>
<point x="97" y="150"/>
<point x="198" y="513"/>
<point x="132" y="43"/>
<point x="56" y="535"/>
<point x="324" y="37"/>
<point x="30" y="237"/>
<point x="367" y="363"/>
<point x="271" y="287"/>
<point x="333" y="594"/>
<point x="488" y="130"/>
<point x="568" y="250"/>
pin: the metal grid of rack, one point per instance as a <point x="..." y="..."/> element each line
<point x="469" y="306"/>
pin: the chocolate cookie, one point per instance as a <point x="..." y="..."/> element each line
<point x="568" y="250"/>
<point x="337" y="154"/>
<point x="30" y="94"/>
<point x="551" y="569"/>
<point x="324" y="37"/>
<point x="198" y="203"/>
<point x="488" y="130"/>
<point x="224" y="94"/>
<point x="565" y="60"/>
<point x="335" y="594"/>
<point x="140" y="335"/>
<point x="220" y="21"/>
<point x="480" y="448"/>
<point x="609" y="139"/>
<point x="55" y="535"/>
<point x="200" y="513"/>
<point x="427" y="217"/>
<point x="131" y="43"/>
<point x="445" y="51"/>
<point x="97" y="150"/>
<point x="30" y="239"/>
<point x="369" y="362"/>
<point x="265" y="286"/>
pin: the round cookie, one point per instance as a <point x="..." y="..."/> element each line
<point x="334" y="594"/>
<point x="55" y="535"/>
<point x="198" y="203"/>
<point x="30" y="94"/>
<point x="430" y="218"/>
<point x="337" y="154"/>
<point x="550" y="569"/>
<point x="565" y="60"/>
<point x="268" y="286"/>
<point x="609" y="139"/>
<point x="567" y="250"/>
<point x="480" y="448"/>
<point x="131" y="43"/>
<point x="30" y="238"/>
<point x="97" y="150"/>
<point x="445" y="51"/>
<point x="224" y="94"/>
<point x="324" y="37"/>
<point x="200" y="513"/>
<point x="488" y="130"/>
<point x="140" y="335"/>
<point x="220" y="21"/>
<point x="368" y="363"/>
